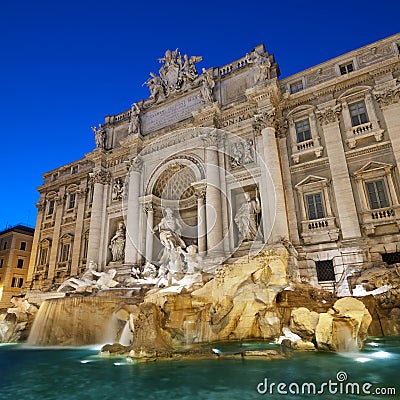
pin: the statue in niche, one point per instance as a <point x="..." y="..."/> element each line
<point x="134" y="123"/>
<point x="118" y="191"/>
<point x="117" y="243"/>
<point x="100" y="136"/>
<point x="169" y="229"/>
<point x="246" y="218"/>
<point x="207" y="86"/>
<point x="262" y="66"/>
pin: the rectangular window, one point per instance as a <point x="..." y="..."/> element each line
<point x="85" y="247"/>
<point x="20" y="263"/>
<point x="358" y="113"/>
<point x="72" y="198"/>
<point x="5" y="245"/>
<point x="64" y="252"/>
<point x="1" y="262"/>
<point x="314" y="206"/>
<point x="377" y="194"/>
<point x="17" y="282"/>
<point x="346" y="68"/>
<point x="303" y="130"/>
<point x="391" y="258"/>
<point x="50" y="210"/>
<point x="43" y="256"/>
<point x="296" y="87"/>
<point x="74" y="169"/>
<point x="22" y="246"/>
<point x="325" y="271"/>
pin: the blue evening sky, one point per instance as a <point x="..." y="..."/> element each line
<point x="67" y="64"/>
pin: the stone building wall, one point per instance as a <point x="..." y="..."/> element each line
<point x="292" y="143"/>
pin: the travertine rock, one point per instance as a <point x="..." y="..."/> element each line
<point x="344" y="328"/>
<point x="303" y="322"/>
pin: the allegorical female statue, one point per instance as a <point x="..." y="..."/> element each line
<point x="117" y="244"/>
<point x="246" y="218"/>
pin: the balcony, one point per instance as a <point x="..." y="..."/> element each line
<point x="373" y="219"/>
<point x="319" y="230"/>
<point x="308" y="146"/>
<point x="364" y="131"/>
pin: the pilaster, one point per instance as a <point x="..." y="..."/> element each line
<point x="76" y="251"/>
<point x="56" y="233"/>
<point x="388" y="98"/>
<point x="328" y="116"/>
<point x="100" y="178"/>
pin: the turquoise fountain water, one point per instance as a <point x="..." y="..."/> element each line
<point x="78" y="373"/>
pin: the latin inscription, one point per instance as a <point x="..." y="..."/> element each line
<point x="170" y="114"/>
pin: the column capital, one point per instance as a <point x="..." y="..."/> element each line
<point x="200" y="190"/>
<point x="213" y="138"/>
<point x="329" y="115"/>
<point x="135" y="164"/>
<point x="264" y="120"/>
<point x="148" y="207"/>
<point x="100" y="176"/>
<point x="388" y="96"/>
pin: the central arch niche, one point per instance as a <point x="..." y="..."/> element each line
<point x="173" y="188"/>
<point x="175" y="183"/>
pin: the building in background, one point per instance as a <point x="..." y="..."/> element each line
<point x="311" y="161"/>
<point x="15" y="252"/>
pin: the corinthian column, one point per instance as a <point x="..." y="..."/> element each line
<point x="132" y="253"/>
<point x="99" y="178"/>
<point x="212" y="139"/>
<point x="329" y="119"/>
<point x="274" y="218"/>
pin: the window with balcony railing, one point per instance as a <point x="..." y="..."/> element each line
<point x="377" y="195"/>
<point x="303" y="131"/>
<point x="315" y="208"/>
<point x="358" y="113"/>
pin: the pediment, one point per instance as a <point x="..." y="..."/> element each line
<point x="301" y="109"/>
<point x="355" y="91"/>
<point x="312" y="179"/>
<point x="373" y="166"/>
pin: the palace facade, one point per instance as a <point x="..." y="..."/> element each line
<point x="313" y="159"/>
<point x="15" y="252"/>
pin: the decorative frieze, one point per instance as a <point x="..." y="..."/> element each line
<point x="329" y="115"/>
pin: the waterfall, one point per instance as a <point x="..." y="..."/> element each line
<point x="343" y="335"/>
<point x="111" y="328"/>
<point x="72" y="321"/>
<point x="126" y="335"/>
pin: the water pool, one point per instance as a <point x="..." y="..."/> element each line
<point x="77" y="373"/>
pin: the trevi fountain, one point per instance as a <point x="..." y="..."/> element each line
<point x="192" y="288"/>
